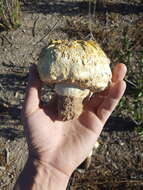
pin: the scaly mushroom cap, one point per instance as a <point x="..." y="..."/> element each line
<point x="76" y="68"/>
<point x="81" y="63"/>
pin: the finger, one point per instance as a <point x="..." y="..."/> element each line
<point x="110" y="102"/>
<point x="32" y="98"/>
<point x="119" y="72"/>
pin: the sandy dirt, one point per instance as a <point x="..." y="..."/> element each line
<point x="118" y="162"/>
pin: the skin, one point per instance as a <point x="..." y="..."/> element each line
<point x="56" y="148"/>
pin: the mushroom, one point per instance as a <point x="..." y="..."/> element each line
<point x="76" y="69"/>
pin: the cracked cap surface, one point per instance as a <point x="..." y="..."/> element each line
<point x="82" y="63"/>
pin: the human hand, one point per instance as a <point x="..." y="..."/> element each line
<point x="65" y="145"/>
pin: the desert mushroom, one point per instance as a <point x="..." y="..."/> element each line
<point x="75" y="68"/>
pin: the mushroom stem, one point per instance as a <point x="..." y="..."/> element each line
<point x="70" y="100"/>
<point x="69" y="107"/>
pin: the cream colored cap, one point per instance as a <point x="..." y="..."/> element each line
<point x="81" y="63"/>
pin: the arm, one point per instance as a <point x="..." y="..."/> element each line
<point x="37" y="176"/>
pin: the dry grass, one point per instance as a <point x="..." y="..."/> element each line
<point x="9" y="14"/>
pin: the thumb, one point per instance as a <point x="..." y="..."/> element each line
<point x="32" y="97"/>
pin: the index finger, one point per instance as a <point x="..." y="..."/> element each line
<point x="118" y="72"/>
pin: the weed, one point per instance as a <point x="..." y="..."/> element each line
<point x="132" y="102"/>
<point x="9" y="14"/>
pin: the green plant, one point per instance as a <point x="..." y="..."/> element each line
<point x="132" y="103"/>
<point x="136" y="92"/>
<point x="9" y="14"/>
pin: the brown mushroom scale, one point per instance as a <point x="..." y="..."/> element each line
<point x="76" y="68"/>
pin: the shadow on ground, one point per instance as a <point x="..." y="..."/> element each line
<point x="9" y="113"/>
<point x="11" y="133"/>
<point x="12" y="89"/>
<point x="13" y="82"/>
<point x="119" y="124"/>
<point x="75" y="7"/>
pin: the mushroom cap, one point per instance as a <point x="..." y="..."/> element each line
<point x="80" y="63"/>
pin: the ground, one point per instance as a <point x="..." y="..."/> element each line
<point x="116" y="25"/>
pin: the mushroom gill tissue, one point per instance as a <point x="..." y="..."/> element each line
<point x="76" y="69"/>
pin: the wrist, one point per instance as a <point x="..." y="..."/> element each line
<point x="38" y="176"/>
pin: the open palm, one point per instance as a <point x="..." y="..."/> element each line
<point x="65" y="145"/>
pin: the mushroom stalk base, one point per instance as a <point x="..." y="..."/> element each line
<point x="69" y="107"/>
